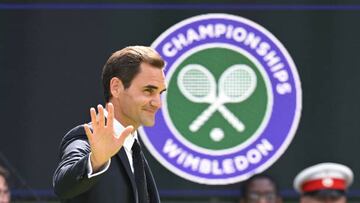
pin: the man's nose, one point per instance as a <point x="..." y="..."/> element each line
<point x="156" y="102"/>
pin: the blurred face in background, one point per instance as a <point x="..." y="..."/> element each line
<point x="261" y="190"/>
<point x="4" y="191"/>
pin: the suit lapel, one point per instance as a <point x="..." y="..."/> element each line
<point x="152" y="189"/>
<point x="125" y="162"/>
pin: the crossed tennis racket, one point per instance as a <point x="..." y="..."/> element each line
<point x="236" y="84"/>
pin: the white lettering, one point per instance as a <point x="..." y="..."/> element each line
<point x="253" y="156"/>
<point x="282" y="75"/>
<point x="206" y="31"/>
<point x="179" y="42"/>
<point x="168" y="50"/>
<point x="192" y="36"/>
<point x="205" y="166"/>
<point x="263" y="48"/>
<point x="181" y="158"/>
<point x="264" y="147"/>
<point x="272" y="58"/>
<point x="228" y="166"/>
<point x="171" y="149"/>
<point x="241" y="163"/>
<point x="277" y="67"/>
<point x="252" y="40"/>
<point x="215" y="168"/>
<point x="239" y="34"/>
<point x="220" y="29"/>
<point x="229" y="31"/>
<point x="192" y="161"/>
<point x="283" y="88"/>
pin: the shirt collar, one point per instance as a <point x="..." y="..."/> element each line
<point x="118" y="128"/>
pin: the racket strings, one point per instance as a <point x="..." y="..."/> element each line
<point x="237" y="83"/>
<point x="197" y="83"/>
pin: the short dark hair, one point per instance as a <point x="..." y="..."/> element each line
<point x="125" y="65"/>
<point x="245" y="186"/>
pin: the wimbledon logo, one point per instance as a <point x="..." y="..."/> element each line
<point x="233" y="102"/>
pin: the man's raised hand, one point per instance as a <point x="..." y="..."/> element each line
<point x="104" y="143"/>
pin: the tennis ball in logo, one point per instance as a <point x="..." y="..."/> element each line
<point x="216" y="132"/>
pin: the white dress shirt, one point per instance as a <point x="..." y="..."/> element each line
<point x="128" y="143"/>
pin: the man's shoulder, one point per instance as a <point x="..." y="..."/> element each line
<point x="76" y="133"/>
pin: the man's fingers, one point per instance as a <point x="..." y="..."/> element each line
<point x="110" y="117"/>
<point x="101" y="116"/>
<point x="93" y="117"/>
<point x="126" y="132"/>
<point x="88" y="131"/>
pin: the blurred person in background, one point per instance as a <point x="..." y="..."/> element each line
<point x="324" y="183"/>
<point x="260" y="188"/>
<point x="4" y="186"/>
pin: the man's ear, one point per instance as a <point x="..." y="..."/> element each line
<point x="116" y="87"/>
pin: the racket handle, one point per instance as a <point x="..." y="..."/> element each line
<point x="203" y="117"/>
<point x="231" y="118"/>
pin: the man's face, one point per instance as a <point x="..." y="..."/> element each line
<point x="4" y="191"/>
<point x="310" y="199"/>
<point x="262" y="190"/>
<point x="141" y="100"/>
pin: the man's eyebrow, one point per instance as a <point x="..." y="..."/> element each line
<point x="151" y="87"/>
<point x="163" y="90"/>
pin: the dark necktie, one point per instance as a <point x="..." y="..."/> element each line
<point x="139" y="173"/>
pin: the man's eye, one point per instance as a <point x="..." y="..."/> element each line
<point x="149" y="91"/>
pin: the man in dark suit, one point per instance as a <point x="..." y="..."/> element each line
<point x="102" y="161"/>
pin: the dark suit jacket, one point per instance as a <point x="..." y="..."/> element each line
<point x="116" y="185"/>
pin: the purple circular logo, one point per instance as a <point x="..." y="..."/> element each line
<point x="233" y="102"/>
